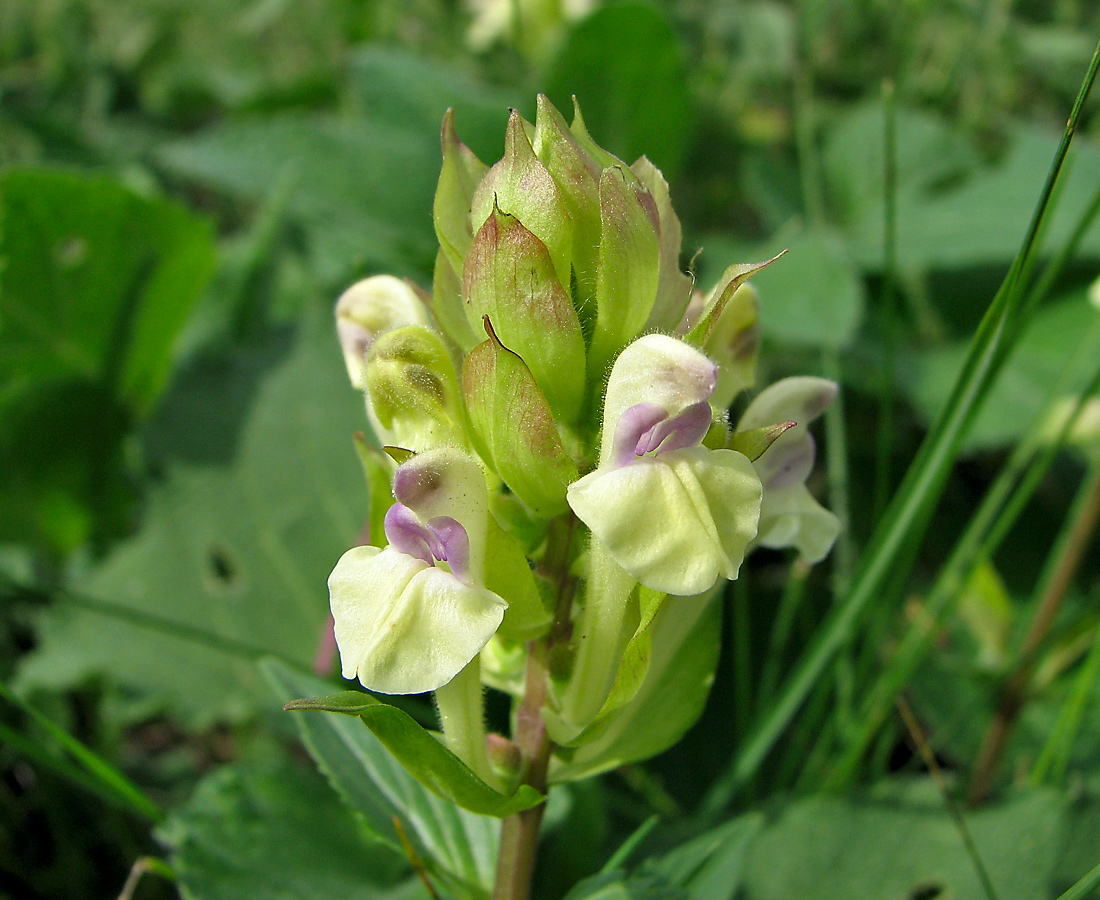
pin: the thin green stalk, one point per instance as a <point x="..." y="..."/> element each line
<point x="794" y="591"/>
<point x="626" y="849"/>
<point x="836" y="461"/>
<point x="462" y="718"/>
<point x="1001" y="506"/>
<point x="888" y="326"/>
<point x="741" y="641"/>
<point x="908" y="515"/>
<point x="110" y="780"/>
<point x="1054" y="759"/>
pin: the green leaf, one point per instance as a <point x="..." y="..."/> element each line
<point x="814" y="295"/>
<point x="367" y="776"/>
<point x="899" y="839"/>
<point x="423" y="756"/>
<point x="363" y="187"/>
<point x="623" y="63"/>
<point x="617" y="886"/>
<point x="514" y="421"/>
<point x="410" y="89"/>
<point x="711" y="866"/>
<point x="96" y="282"/>
<point x="1023" y="386"/>
<point x="686" y="636"/>
<point x="269" y="827"/>
<point x="237" y="553"/>
<point x="982" y="220"/>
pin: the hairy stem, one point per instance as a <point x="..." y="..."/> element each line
<point x="519" y="834"/>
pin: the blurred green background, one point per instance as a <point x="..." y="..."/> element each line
<point x="187" y="185"/>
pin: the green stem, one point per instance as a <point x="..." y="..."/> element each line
<point x="888" y="332"/>
<point x="462" y="717"/>
<point x="519" y="834"/>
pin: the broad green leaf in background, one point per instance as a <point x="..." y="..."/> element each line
<point x="95" y="285"/>
<point x="239" y="551"/>
<point x="1022" y="388"/>
<point x="931" y="156"/>
<point x="898" y="840"/>
<point x="96" y="281"/>
<point x="270" y="828"/>
<point x="623" y="63"/>
<point x="813" y="296"/>
<point x="373" y="783"/>
<point x="363" y="190"/>
<point x="619" y="886"/>
<point x="363" y="183"/>
<point x="711" y="866"/>
<point x="403" y="88"/>
<point x="981" y="220"/>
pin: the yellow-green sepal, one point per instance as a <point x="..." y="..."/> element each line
<point x="515" y="427"/>
<point x="510" y="278"/>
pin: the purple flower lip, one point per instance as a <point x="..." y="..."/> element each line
<point x="647" y="428"/>
<point x="441" y="539"/>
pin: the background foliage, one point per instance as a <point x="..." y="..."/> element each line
<point x="185" y="187"/>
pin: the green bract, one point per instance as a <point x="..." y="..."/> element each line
<point x="568" y="475"/>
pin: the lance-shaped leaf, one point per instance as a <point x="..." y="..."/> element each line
<point x="454" y="194"/>
<point x="522" y="186"/>
<point x="447" y="304"/>
<point x="424" y="756"/>
<point x="731" y="280"/>
<point x="577" y="173"/>
<point x="514" y="422"/>
<point x="673" y="286"/>
<point x="510" y="278"/>
<point x="629" y="264"/>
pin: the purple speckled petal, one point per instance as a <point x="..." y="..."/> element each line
<point x="407" y="535"/>
<point x="451" y="544"/>
<point x="633" y="424"/>
<point x="684" y="430"/>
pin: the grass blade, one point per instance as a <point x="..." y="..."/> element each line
<point x="907" y="518"/>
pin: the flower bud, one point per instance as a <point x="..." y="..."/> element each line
<point x="368" y="309"/>
<point x="412" y="396"/>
